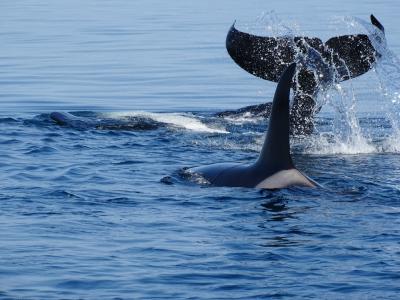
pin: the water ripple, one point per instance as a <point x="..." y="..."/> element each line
<point x="103" y="208"/>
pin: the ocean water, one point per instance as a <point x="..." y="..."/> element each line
<point x="103" y="208"/>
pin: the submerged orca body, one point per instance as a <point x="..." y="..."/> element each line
<point x="274" y="167"/>
<point x="67" y="119"/>
<point x="137" y="123"/>
<point x="319" y="66"/>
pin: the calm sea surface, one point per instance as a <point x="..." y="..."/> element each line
<point x="102" y="209"/>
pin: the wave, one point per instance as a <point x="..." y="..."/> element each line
<point x="185" y="121"/>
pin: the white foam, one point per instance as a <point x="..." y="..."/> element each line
<point x="392" y="144"/>
<point x="246" y="118"/>
<point x="324" y="145"/>
<point x="180" y="120"/>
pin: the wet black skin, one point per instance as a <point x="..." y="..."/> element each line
<point x="274" y="156"/>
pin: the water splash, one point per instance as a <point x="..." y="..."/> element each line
<point x="183" y="121"/>
<point x="270" y="24"/>
<point x="387" y="71"/>
<point x="329" y="144"/>
<point x="190" y="176"/>
<point x="348" y="137"/>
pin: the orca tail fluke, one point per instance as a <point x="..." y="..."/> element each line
<point x="276" y="149"/>
<point x="267" y="57"/>
<point x="340" y="58"/>
<point x="353" y="55"/>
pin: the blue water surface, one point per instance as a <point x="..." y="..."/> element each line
<point x="104" y="209"/>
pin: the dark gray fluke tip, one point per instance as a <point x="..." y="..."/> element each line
<point x="376" y="23"/>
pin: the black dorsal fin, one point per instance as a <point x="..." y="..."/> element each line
<point x="275" y="153"/>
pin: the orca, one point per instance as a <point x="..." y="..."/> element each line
<point x="320" y="65"/>
<point x="67" y="119"/>
<point x="274" y="167"/>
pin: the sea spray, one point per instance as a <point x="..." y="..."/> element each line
<point x="347" y="135"/>
<point x="185" y="121"/>
<point x="387" y="71"/>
